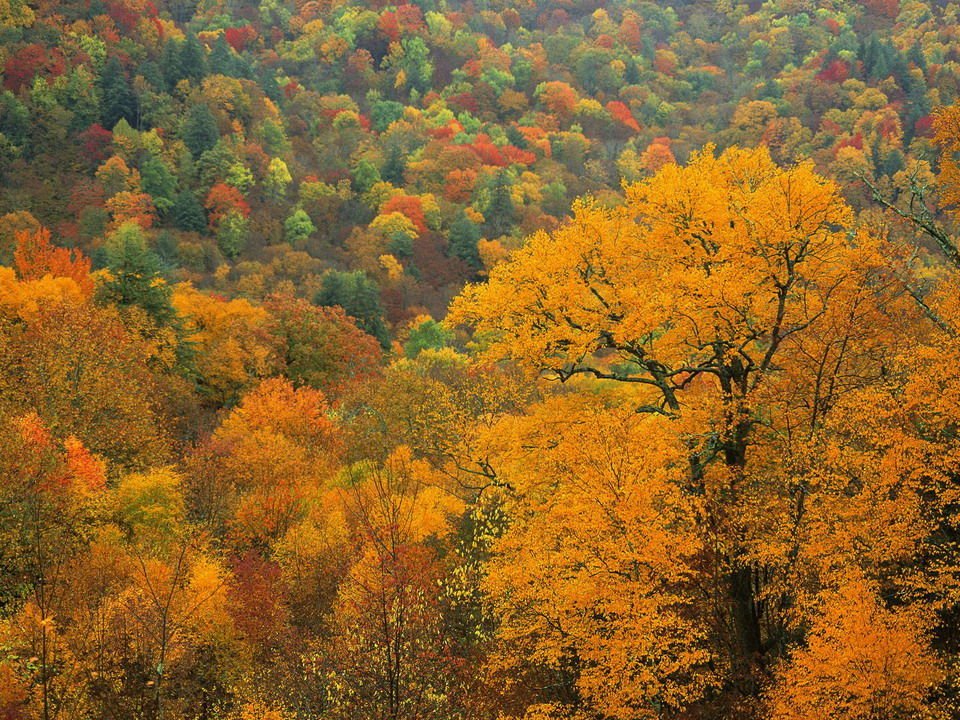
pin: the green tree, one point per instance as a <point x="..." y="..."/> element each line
<point x="199" y="130"/>
<point x="193" y="59"/>
<point x="134" y="275"/>
<point x="232" y="234"/>
<point x="159" y="182"/>
<point x="359" y="296"/>
<point x="464" y="235"/>
<point x="298" y="227"/>
<point x="500" y="214"/>
<point x="187" y="212"/>
<point x="118" y="100"/>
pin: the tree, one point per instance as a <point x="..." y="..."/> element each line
<point x="266" y="463"/>
<point x="708" y="295"/>
<point x="232" y="234"/>
<point x="77" y="366"/>
<point x="134" y="275"/>
<point x="277" y="181"/>
<point x="297" y="228"/>
<point x="35" y="256"/>
<point x="593" y="577"/>
<point x="500" y="213"/>
<point x="861" y="661"/>
<point x="193" y="59"/>
<point x="359" y="297"/>
<point x="387" y="656"/>
<point x="464" y="235"/>
<point x="199" y="130"/>
<point x="118" y="101"/>
<point x="187" y="212"/>
<point x="232" y="348"/>
<point x="321" y="346"/>
<point x="50" y="494"/>
<point x="159" y="182"/>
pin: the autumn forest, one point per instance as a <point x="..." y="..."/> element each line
<point x="479" y="360"/>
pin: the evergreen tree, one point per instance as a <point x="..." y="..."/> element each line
<point x="14" y="119"/>
<point x="171" y="66"/>
<point x="134" y="275"/>
<point x="394" y="167"/>
<point x="187" y="212"/>
<point x="464" y="235"/>
<point x="159" y="182"/>
<point x="193" y="59"/>
<point x="199" y="131"/>
<point x="118" y="100"/>
<point x="359" y="296"/>
<point x="223" y="60"/>
<point x="151" y="72"/>
<point x="500" y="214"/>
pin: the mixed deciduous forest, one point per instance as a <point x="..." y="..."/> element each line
<point x="479" y="360"/>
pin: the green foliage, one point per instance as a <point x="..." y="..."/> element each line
<point x="159" y="182"/>
<point x="428" y="335"/>
<point x="118" y="101"/>
<point x="232" y="234"/>
<point x="359" y="296"/>
<point x="464" y="234"/>
<point x="134" y="274"/>
<point x="187" y="213"/>
<point x="298" y="227"/>
<point x="199" y="131"/>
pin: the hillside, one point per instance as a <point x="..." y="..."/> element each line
<point x="479" y="360"/>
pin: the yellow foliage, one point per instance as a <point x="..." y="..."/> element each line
<point x="861" y="661"/>
<point x="24" y="299"/>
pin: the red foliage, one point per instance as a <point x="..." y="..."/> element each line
<point x="96" y="143"/>
<point x="604" y="41"/>
<point x="488" y="153"/>
<point x="136" y="206"/>
<point x="887" y="8"/>
<point x="889" y="127"/>
<point x="291" y="89"/>
<point x="36" y="256"/>
<point x="410" y="18"/>
<point x="458" y="185"/>
<point x="855" y="142"/>
<point x="630" y="34"/>
<point x="924" y="126"/>
<point x="224" y="199"/>
<point x="835" y="72"/>
<point x="28" y="62"/>
<point x="830" y="127"/>
<point x="327" y="348"/>
<point x="621" y="113"/>
<point x="239" y="37"/>
<point x="515" y="156"/>
<point x="85" y="194"/>
<point x="473" y="68"/>
<point x="389" y="26"/>
<point x="463" y="101"/>
<point x="258" y="601"/>
<point x="410" y="206"/>
<point x="832" y="25"/>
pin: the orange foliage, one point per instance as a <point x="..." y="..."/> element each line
<point x="36" y="256"/>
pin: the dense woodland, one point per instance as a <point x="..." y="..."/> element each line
<point x="556" y="360"/>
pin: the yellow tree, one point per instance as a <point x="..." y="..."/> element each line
<point x="388" y="657"/>
<point x="50" y="497"/>
<point x="593" y="579"/>
<point x="706" y="297"/>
